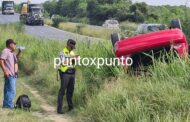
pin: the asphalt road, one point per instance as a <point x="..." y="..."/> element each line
<point x="45" y="31"/>
<point x="4" y="19"/>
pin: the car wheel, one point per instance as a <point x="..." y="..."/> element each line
<point x="27" y="23"/>
<point x="115" y="37"/>
<point x="176" y="24"/>
<point x="42" y="23"/>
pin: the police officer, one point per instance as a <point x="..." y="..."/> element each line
<point x="67" y="75"/>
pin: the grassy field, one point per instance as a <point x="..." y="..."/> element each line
<point x="107" y="94"/>
<point x="127" y="29"/>
<point x="19" y="115"/>
<point x="84" y="29"/>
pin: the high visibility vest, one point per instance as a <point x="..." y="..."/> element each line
<point x="67" y="54"/>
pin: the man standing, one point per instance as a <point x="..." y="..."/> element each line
<point x="8" y="63"/>
<point x="67" y="75"/>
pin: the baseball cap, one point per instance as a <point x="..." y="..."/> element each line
<point x="71" y="43"/>
<point x="10" y="41"/>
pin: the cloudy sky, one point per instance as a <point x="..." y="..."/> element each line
<point x="164" y="2"/>
<point x="150" y="2"/>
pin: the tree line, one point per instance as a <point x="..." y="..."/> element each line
<point x="97" y="11"/>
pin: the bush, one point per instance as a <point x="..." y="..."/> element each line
<point x="48" y="22"/>
<point x="128" y="29"/>
<point x="58" y="19"/>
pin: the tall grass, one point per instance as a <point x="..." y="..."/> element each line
<point x="107" y="94"/>
<point x="38" y="60"/>
<point x="20" y="115"/>
<point x="162" y="97"/>
<point x="83" y="29"/>
<point x="128" y="29"/>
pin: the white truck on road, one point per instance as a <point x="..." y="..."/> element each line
<point x="8" y="7"/>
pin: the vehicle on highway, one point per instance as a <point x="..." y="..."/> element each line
<point x="143" y="48"/>
<point x="32" y="14"/>
<point x="111" y="23"/>
<point x="8" y="7"/>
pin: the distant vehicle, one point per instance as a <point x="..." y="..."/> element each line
<point x="32" y="14"/>
<point x="54" y="16"/>
<point x="143" y="47"/>
<point x="8" y="7"/>
<point x="111" y="24"/>
<point x="147" y="28"/>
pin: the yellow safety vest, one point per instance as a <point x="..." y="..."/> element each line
<point x="66" y="53"/>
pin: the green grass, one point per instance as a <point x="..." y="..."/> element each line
<point x="84" y="29"/>
<point x="127" y="29"/>
<point x="19" y="115"/>
<point x="107" y="94"/>
<point x="161" y="97"/>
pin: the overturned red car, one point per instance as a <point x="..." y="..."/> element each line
<point x="151" y="43"/>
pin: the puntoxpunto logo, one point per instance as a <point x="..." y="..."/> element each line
<point x="98" y="62"/>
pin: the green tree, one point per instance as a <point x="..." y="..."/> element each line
<point x="139" y="12"/>
<point x="50" y="7"/>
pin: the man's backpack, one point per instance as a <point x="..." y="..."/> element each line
<point x="23" y="102"/>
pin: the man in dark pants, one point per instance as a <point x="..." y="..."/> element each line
<point x="67" y="75"/>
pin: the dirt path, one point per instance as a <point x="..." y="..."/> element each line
<point x="50" y="111"/>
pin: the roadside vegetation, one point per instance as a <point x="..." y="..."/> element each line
<point x="97" y="11"/>
<point x="108" y="93"/>
<point x="19" y="115"/>
<point x="83" y="29"/>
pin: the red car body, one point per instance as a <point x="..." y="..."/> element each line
<point x="171" y="37"/>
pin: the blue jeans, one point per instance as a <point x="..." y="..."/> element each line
<point x="9" y="92"/>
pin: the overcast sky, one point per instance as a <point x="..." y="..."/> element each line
<point x="164" y="2"/>
<point x="150" y="2"/>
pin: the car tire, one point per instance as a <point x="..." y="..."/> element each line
<point x="27" y="23"/>
<point x="115" y="37"/>
<point x="176" y="24"/>
<point x="42" y="23"/>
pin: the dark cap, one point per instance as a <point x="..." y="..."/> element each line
<point x="10" y="41"/>
<point x="71" y="43"/>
